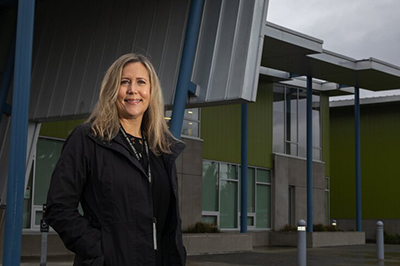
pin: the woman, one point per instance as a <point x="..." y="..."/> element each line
<point x="120" y="167"/>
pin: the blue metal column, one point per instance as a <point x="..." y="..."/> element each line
<point x="185" y="70"/>
<point x="243" y="188"/>
<point x="309" y="157"/>
<point x="19" y="132"/>
<point x="358" y="156"/>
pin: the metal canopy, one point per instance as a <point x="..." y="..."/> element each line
<point x="287" y="50"/>
<point x="377" y="75"/>
<point x="293" y="52"/>
<point x="371" y="74"/>
<point x="273" y="75"/>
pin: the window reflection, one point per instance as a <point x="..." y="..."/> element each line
<point x="290" y="122"/>
<point x="191" y="122"/>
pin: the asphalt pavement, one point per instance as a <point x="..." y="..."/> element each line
<point x="273" y="256"/>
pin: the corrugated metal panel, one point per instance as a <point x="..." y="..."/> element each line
<point x="76" y="41"/>
<point x="5" y="129"/>
<point x="229" y="51"/>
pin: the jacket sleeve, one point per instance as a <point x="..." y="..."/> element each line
<point x="66" y="186"/>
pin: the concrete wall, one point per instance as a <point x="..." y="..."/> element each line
<point x="260" y="238"/>
<point x="318" y="239"/>
<point x="190" y="180"/>
<point x="391" y="226"/>
<point x="217" y="243"/>
<point x="292" y="171"/>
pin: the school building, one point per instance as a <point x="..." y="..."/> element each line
<point x="260" y="100"/>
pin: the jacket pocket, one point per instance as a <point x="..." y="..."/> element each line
<point x="124" y="243"/>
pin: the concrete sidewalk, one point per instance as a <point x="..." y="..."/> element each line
<point x="331" y="256"/>
<point x="271" y="256"/>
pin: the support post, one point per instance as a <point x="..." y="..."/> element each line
<point x="301" y="243"/>
<point x="358" y="156"/>
<point x="380" y="245"/>
<point x="19" y="131"/>
<point x="185" y="69"/>
<point x="44" y="229"/>
<point x="309" y="157"/>
<point x="243" y="190"/>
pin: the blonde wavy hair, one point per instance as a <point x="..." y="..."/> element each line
<point x="104" y="118"/>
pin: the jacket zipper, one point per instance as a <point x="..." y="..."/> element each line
<point x="155" y="233"/>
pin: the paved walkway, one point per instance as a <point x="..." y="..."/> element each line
<point x="332" y="256"/>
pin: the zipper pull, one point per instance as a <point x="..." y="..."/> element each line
<point x="155" y="232"/>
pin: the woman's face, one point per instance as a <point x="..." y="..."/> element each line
<point x="134" y="92"/>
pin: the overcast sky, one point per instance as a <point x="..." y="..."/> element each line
<point x="356" y="28"/>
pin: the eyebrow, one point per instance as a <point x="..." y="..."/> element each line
<point x="136" y="78"/>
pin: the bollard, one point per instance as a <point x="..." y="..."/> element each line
<point x="44" y="229"/>
<point x="334" y="223"/>
<point x="380" y="252"/>
<point x="301" y="243"/>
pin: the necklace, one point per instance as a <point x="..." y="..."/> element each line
<point x="139" y="155"/>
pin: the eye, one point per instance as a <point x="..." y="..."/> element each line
<point x="141" y="82"/>
<point x="125" y="82"/>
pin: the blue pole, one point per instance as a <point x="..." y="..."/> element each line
<point x="19" y="131"/>
<point x="309" y="157"/>
<point x="358" y="155"/>
<point x="243" y="188"/>
<point x="185" y="70"/>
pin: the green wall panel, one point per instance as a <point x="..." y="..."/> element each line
<point x="380" y="150"/>
<point x="325" y="132"/>
<point x="221" y="130"/>
<point x="59" y="129"/>
<point x="260" y="127"/>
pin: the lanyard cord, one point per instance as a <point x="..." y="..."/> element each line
<point x="135" y="151"/>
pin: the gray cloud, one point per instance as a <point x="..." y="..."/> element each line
<point x="355" y="28"/>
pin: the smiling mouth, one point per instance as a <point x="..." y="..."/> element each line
<point x="133" y="101"/>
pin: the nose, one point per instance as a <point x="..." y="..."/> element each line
<point x="132" y="89"/>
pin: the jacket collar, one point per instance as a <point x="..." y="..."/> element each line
<point x="119" y="145"/>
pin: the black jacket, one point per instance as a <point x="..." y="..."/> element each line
<point x="115" y="195"/>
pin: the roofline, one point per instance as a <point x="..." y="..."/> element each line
<point x="292" y="32"/>
<point x="364" y="101"/>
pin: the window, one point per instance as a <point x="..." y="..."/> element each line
<point x="48" y="151"/>
<point x="191" y="122"/>
<point x="228" y="191"/>
<point x="263" y="196"/>
<point x="290" y="122"/>
<point x="221" y="195"/>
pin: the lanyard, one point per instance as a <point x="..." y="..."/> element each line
<point x="135" y="151"/>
